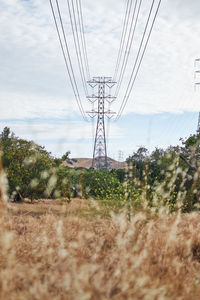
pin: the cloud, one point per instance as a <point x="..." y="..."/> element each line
<point x="60" y="135"/>
<point x="166" y="79"/>
<point x="34" y="84"/>
<point x="32" y="63"/>
<point x="21" y="106"/>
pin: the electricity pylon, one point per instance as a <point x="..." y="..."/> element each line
<point x="197" y="83"/>
<point x="198" y="125"/>
<point x="102" y="86"/>
<point x="120" y="157"/>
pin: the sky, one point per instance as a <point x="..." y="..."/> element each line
<point x="36" y="98"/>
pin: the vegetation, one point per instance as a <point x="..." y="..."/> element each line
<point x="31" y="171"/>
<point x="58" y="251"/>
<point x="103" y="185"/>
<point x="88" y="248"/>
<point x="165" y="178"/>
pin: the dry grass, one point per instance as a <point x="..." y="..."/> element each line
<point x="59" y="255"/>
<point x="78" y="207"/>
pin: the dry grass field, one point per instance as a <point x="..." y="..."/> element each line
<point x="53" y="250"/>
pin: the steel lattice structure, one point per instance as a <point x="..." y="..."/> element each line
<point x="197" y="83"/>
<point x="102" y="86"/>
<point x="198" y="125"/>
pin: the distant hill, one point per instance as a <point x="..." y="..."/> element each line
<point x="87" y="163"/>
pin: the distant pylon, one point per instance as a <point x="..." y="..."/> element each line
<point x="103" y="86"/>
<point x="120" y="157"/>
<point x="198" y="126"/>
<point x="197" y="83"/>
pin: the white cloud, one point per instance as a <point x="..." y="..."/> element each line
<point x="33" y="79"/>
<point x="22" y="106"/>
<point x="59" y="136"/>
<point x="166" y="79"/>
<point x="32" y="63"/>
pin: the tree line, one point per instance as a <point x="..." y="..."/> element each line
<point x="168" y="177"/>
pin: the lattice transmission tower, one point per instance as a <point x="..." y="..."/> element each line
<point x="197" y="83"/>
<point x="101" y="94"/>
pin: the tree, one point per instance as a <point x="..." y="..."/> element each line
<point x="59" y="161"/>
<point x="190" y="161"/>
<point x="137" y="162"/>
<point x="23" y="162"/>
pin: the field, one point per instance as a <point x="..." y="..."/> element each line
<point x="54" y="250"/>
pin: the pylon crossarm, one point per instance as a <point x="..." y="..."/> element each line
<point x="110" y="86"/>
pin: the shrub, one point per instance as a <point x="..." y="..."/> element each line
<point x="103" y="185"/>
<point x="31" y="171"/>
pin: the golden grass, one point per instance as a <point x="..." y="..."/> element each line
<point x="58" y="254"/>
<point x="78" y="207"/>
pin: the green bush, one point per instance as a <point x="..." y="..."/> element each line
<point x="103" y="185"/>
<point x="31" y="171"/>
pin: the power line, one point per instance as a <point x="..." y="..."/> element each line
<point x="83" y="40"/>
<point x="108" y="126"/>
<point x="68" y="65"/>
<point x="79" y="47"/>
<point x="127" y="94"/>
<point x="65" y="40"/>
<point x="197" y="71"/>
<point x="72" y="16"/>
<point x="129" y="27"/>
<point x="124" y="32"/>
<point x="128" y="47"/>
<point x="141" y="39"/>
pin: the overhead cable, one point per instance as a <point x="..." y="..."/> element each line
<point x="73" y="21"/>
<point x="67" y="58"/>
<point x="123" y="36"/>
<point x="82" y="30"/>
<point x="128" y="46"/>
<point x="133" y="77"/>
